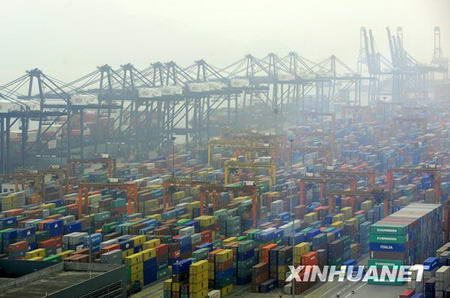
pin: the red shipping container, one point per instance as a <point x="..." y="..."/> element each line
<point x="110" y="248"/>
<point x="162" y="249"/>
<point x="77" y="258"/>
<point x="111" y="236"/>
<point x="309" y="258"/>
<point x="83" y="251"/>
<point x="41" y="224"/>
<point x="33" y="213"/>
<point x="51" y="243"/>
<point x="18" y="246"/>
<point x="72" y="206"/>
<point x="206" y="236"/>
<point x="406" y="293"/>
<point x="13" y="212"/>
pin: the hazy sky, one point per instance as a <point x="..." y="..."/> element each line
<point x="69" y="38"/>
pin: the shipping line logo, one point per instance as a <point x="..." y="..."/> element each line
<point x="313" y="273"/>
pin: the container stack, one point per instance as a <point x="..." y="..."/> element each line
<point x="407" y="236"/>
<point x="260" y="274"/>
<point x="442" y="281"/>
<point x="135" y="266"/>
<point x="180" y="278"/>
<point x="198" y="279"/>
<point x="299" y="251"/>
<point x="245" y="259"/>
<point x="221" y="272"/>
<point x="279" y="260"/>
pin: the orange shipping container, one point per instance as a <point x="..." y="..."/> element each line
<point x="265" y="252"/>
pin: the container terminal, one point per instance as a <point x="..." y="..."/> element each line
<point x="203" y="181"/>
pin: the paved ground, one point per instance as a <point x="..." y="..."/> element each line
<point x="325" y="290"/>
<point x="320" y="290"/>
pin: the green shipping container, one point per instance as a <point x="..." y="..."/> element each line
<point x="387" y="229"/>
<point x="380" y="262"/>
<point x="387" y="238"/>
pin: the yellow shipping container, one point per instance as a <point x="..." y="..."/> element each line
<point x="138" y="240"/>
<point x="176" y="286"/>
<point x="224" y="255"/>
<point x="65" y="253"/>
<point x="241" y="198"/>
<point x="127" y="252"/>
<point x="226" y="290"/>
<point x="206" y="220"/>
<point x="168" y="285"/>
<point x="151" y="243"/>
<point x="154" y="216"/>
<point x="179" y="195"/>
<point x="48" y="206"/>
<point x="148" y="254"/>
<point x="198" y="267"/>
<point x="348" y="212"/>
<point x="338" y="217"/>
<point x="338" y="224"/>
<point x="198" y="277"/>
<point x="352" y="221"/>
<point x="137" y="268"/>
<point x="198" y="287"/>
<point x="229" y="240"/>
<point x="134" y="259"/>
<point x="301" y="249"/>
<point x="40" y="252"/>
<point x="195" y="204"/>
<point x="311" y="217"/>
<point x="366" y="205"/>
<point x="201" y="294"/>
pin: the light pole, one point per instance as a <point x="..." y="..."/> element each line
<point x="291" y="211"/>
<point x="173" y="157"/>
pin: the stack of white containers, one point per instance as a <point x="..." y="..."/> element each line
<point x="276" y="207"/>
<point x="442" y="280"/>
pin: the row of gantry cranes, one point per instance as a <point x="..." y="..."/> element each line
<point x="127" y="112"/>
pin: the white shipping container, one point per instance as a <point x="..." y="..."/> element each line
<point x="214" y="294"/>
<point x="7" y="106"/>
<point x="286" y="77"/>
<point x="33" y="105"/>
<point x="194" y="87"/>
<point x="216" y="86"/>
<point x="149" y="92"/>
<point x="172" y="90"/>
<point x="84" y="99"/>
<point x="239" y="83"/>
<point x="52" y="144"/>
<point x="199" y="87"/>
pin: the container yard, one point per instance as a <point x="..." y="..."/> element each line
<point x="274" y="176"/>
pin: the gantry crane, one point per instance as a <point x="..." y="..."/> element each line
<point x="235" y="164"/>
<point x="206" y="188"/>
<point x="36" y="179"/>
<point x="248" y="147"/>
<point x="420" y="122"/>
<point x="61" y="176"/>
<point x="322" y="181"/>
<point x="334" y="193"/>
<point x="435" y="172"/>
<point x="25" y="178"/>
<point x="371" y="176"/>
<point x="109" y="162"/>
<point x="84" y="188"/>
